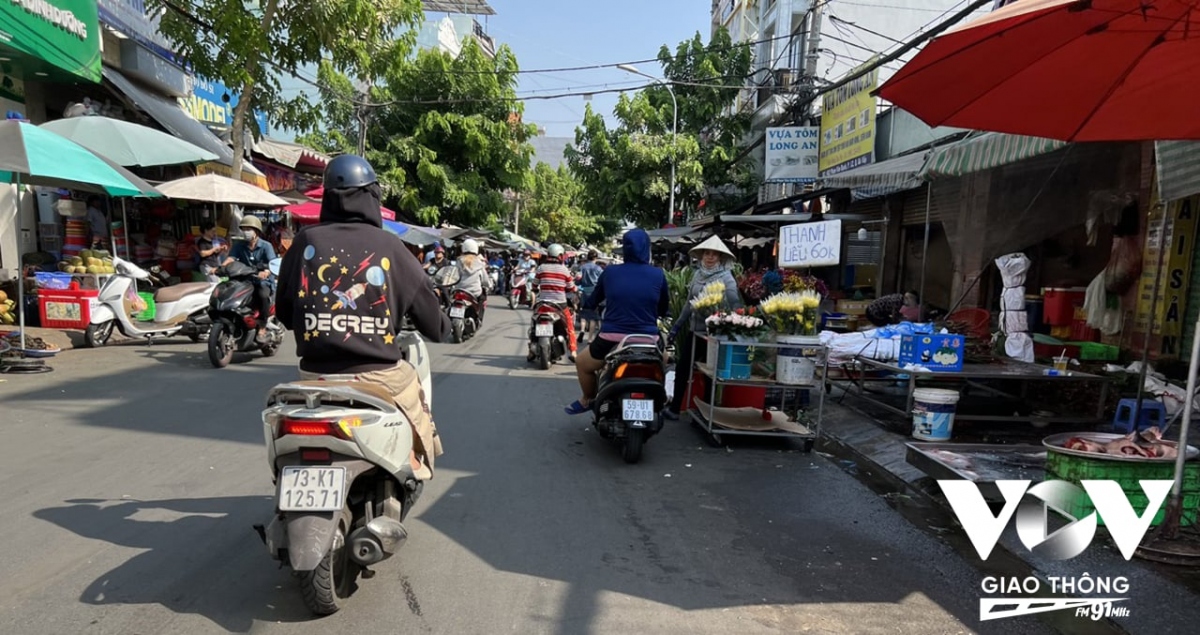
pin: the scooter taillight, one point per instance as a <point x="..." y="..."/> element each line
<point x="641" y="371"/>
<point x="319" y="427"/>
<point x="251" y="321"/>
<point x="547" y="309"/>
<point x="464" y="296"/>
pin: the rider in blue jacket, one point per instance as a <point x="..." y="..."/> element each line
<point x="635" y="295"/>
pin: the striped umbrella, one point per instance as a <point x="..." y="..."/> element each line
<point x="30" y="155"/>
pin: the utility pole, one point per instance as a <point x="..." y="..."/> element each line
<point x="517" y="216"/>
<point x="812" y="57"/>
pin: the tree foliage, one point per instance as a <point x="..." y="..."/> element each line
<point x="553" y="210"/>
<point x="444" y="133"/>
<point x="251" y="46"/>
<point x="625" y="169"/>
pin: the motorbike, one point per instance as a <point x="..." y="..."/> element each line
<point x="494" y="275"/>
<point x="444" y="279"/>
<point x="339" y="452"/>
<point x="235" y="319"/>
<point x="178" y="310"/>
<point x="547" y="335"/>
<point x="521" y="292"/>
<point x="631" y="394"/>
<point x="464" y="316"/>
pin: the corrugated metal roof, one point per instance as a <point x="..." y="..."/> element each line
<point x="469" y="7"/>
<point x="984" y="152"/>
<point x="881" y="179"/>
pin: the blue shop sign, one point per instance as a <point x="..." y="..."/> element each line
<point x="207" y="104"/>
<point x="130" y="17"/>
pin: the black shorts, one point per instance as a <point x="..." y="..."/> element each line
<point x="600" y="347"/>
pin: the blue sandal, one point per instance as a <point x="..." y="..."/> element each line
<point x="576" y="408"/>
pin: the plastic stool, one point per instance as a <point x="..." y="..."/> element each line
<point x="1153" y="414"/>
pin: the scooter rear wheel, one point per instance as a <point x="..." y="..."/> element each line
<point x="631" y="448"/>
<point x="325" y="587"/>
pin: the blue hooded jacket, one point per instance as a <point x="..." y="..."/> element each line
<point x="635" y="293"/>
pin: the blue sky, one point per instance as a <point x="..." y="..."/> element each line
<point x="558" y="33"/>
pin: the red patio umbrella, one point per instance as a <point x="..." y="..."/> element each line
<point x="1077" y="70"/>
<point x="310" y="212"/>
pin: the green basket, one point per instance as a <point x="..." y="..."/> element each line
<point x="1091" y="351"/>
<point x="148" y="314"/>
<point x="1073" y="469"/>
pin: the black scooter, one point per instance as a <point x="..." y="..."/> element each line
<point x="235" y="319"/>
<point x="631" y="394"/>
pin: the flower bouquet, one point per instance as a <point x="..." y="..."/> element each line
<point x="710" y="300"/>
<point x="795" y="282"/>
<point x="741" y="325"/>
<point x="751" y="286"/>
<point x="792" y="313"/>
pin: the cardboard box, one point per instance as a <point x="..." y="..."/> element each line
<point x="942" y="353"/>
<point x="853" y="307"/>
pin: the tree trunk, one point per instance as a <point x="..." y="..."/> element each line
<point x="246" y="98"/>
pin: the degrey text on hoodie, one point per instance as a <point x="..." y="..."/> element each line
<point x="346" y="284"/>
<point x="636" y="291"/>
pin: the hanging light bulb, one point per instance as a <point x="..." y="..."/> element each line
<point x="862" y="233"/>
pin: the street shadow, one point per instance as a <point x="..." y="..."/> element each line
<point x="690" y="526"/>
<point x="181" y="395"/>
<point x="200" y="557"/>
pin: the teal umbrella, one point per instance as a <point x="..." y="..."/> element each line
<point x="128" y="144"/>
<point x="30" y="155"/>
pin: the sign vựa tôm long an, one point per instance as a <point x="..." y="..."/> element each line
<point x="792" y="154"/>
<point x="848" y="124"/>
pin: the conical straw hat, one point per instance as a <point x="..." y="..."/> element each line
<point x="712" y="244"/>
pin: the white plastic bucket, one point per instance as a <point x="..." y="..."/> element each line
<point x="792" y="367"/>
<point x="933" y="413"/>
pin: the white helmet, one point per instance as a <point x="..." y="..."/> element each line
<point x="555" y="250"/>
<point x="470" y="246"/>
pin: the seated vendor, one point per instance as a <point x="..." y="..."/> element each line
<point x="894" y="308"/>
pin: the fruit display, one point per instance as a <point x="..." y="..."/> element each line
<point x="8" y="309"/>
<point x="88" y="261"/>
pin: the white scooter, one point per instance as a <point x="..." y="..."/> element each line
<point x="339" y="452"/>
<point x="179" y="310"/>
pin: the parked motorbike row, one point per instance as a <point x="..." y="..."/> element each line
<point x="223" y="312"/>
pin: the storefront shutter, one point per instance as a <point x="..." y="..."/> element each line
<point x="944" y="204"/>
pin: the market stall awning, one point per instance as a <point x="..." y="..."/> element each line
<point x="310" y="212"/>
<point x="411" y="234"/>
<point x="170" y="115"/>
<point x="880" y="179"/>
<point x="1178" y="169"/>
<point x="984" y="152"/>
<point x="674" y="234"/>
<point x="292" y="155"/>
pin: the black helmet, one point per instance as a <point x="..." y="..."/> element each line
<point x="349" y="170"/>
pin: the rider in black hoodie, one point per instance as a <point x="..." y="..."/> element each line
<point x="344" y="288"/>
<point x="346" y="284"/>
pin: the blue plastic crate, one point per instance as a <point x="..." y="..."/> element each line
<point x="733" y="362"/>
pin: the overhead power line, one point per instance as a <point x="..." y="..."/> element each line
<point x="894" y="55"/>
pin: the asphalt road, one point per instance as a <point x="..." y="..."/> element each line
<point x="132" y="476"/>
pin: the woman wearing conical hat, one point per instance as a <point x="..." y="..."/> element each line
<point x="715" y="265"/>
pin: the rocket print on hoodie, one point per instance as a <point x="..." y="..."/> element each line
<point x="344" y="294"/>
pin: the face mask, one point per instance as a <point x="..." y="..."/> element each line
<point x="249" y="234"/>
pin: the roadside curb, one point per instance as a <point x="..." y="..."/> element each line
<point x="930" y="507"/>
